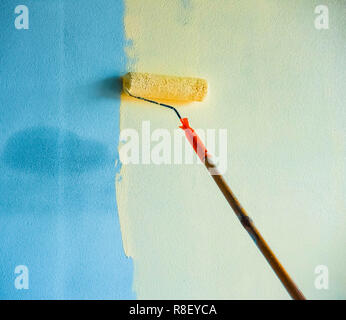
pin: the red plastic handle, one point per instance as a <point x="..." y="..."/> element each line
<point x="194" y="139"/>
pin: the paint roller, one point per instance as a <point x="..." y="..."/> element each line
<point x="146" y="86"/>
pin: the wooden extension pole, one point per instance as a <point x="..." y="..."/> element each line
<point x="247" y="223"/>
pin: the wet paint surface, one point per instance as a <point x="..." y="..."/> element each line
<point x="276" y="85"/>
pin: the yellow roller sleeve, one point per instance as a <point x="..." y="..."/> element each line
<point x="153" y="86"/>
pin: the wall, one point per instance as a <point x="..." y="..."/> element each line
<point x="58" y="145"/>
<point x="276" y="85"/>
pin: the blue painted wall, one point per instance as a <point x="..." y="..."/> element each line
<point x="59" y="121"/>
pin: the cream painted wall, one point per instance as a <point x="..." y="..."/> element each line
<point x="278" y="86"/>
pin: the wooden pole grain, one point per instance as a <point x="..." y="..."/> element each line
<point x="249" y="226"/>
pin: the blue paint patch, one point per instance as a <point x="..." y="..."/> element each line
<point x="59" y="104"/>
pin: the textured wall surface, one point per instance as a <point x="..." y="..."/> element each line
<point x="277" y="85"/>
<point x="59" y="126"/>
